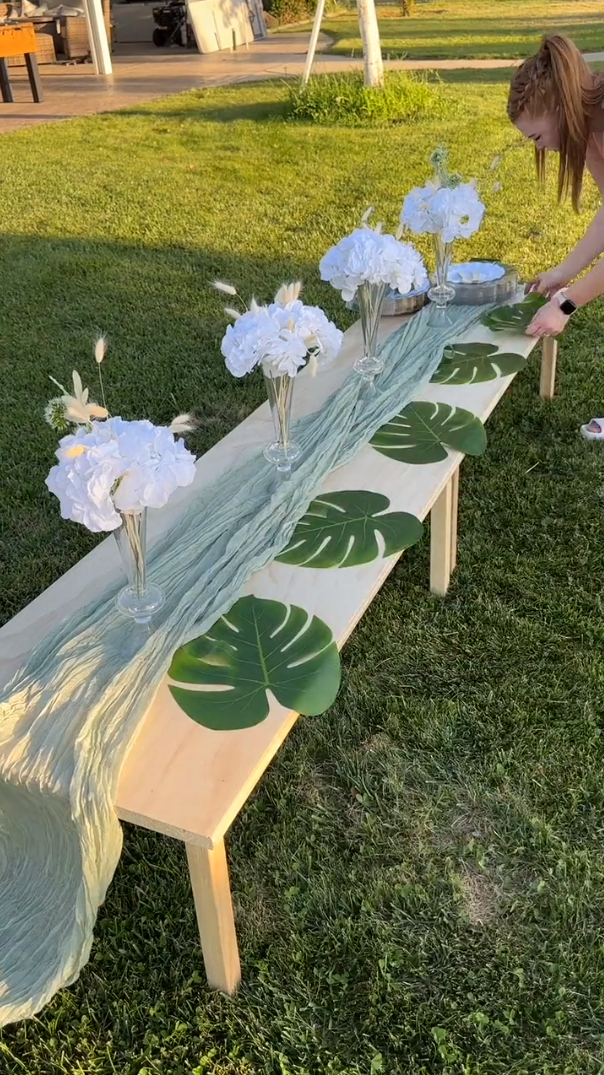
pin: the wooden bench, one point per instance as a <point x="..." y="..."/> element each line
<point x="189" y="782"/>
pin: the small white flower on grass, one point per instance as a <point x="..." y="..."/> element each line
<point x="497" y="187"/>
<point x="228" y="289"/>
<point x="54" y="413"/>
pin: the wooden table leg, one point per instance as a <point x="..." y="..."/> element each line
<point x="31" y="62"/>
<point x="212" y="894"/>
<point x="549" y="355"/>
<point x="443" y="536"/>
<point x="454" y="516"/>
<point x="5" y="87"/>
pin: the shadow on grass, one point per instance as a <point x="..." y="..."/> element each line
<point x="200" y="110"/>
<point x="164" y="324"/>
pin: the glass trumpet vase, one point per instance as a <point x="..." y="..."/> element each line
<point x="441" y="294"/>
<point x="139" y="599"/>
<point x="282" y="451"/>
<point x="370" y="299"/>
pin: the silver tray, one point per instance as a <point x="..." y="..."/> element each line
<point x="396" y="305"/>
<point x="490" y="291"/>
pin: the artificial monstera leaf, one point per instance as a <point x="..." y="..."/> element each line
<point x="471" y="363"/>
<point x="257" y="646"/>
<point x="514" y="318"/>
<point x="340" y="530"/>
<point x="423" y="432"/>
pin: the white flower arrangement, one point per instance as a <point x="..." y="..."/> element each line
<point x="369" y="256"/>
<point x="109" y="465"/>
<point x="444" y="206"/>
<point x="281" y="337"/>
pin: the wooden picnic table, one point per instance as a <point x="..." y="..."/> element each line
<point x="187" y="781"/>
<point x="19" y="41"/>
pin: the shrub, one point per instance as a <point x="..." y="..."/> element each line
<point x="286" y="11"/>
<point x="344" y="100"/>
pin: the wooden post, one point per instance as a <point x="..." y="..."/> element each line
<point x="454" y="516"/>
<point x="212" y="894"/>
<point x="549" y="355"/>
<point x="443" y="536"/>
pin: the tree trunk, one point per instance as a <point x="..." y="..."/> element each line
<point x="372" y="49"/>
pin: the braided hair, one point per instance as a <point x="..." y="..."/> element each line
<point x="557" y="81"/>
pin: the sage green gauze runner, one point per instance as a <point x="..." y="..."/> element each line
<point x="69" y="715"/>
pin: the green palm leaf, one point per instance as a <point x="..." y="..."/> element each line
<point x="340" y="530"/>
<point x="472" y="363"/>
<point x="423" y="432"/>
<point x="258" y="646"/>
<point x="514" y="318"/>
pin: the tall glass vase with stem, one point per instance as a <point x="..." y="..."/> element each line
<point x="441" y="294"/>
<point x="283" y="451"/>
<point x="370" y="299"/>
<point x="139" y="600"/>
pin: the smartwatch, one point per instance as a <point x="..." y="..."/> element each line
<point x="567" y="306"/>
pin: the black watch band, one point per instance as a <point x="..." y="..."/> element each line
<point x="568" y="307"/>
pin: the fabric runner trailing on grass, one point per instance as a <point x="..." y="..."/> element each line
<point x="70" y="713"/>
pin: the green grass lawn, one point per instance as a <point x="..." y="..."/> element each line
<point x="419" y="878"/>
<point x="485" y="29"/>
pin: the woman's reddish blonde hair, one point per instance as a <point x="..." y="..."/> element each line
<point x="557" y="81"/>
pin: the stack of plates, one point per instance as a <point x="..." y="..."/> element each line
<point x="475" y="272"/>
<point x="482" y="282"/>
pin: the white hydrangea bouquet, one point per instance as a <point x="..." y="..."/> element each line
<point x="109" y="471"/>
<point x="448" y="209"/>
<point x="366" y="265"/>
<point x="281" y="339"/>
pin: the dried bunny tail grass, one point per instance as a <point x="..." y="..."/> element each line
<point x="254" y="307"/>
<point x="400" y="231"/>
<point x="228" y="289"/>
<point x="230" y="312"/>
<point x="288" y="293"/>
<point x="100" y="349"/>
<point x="366" y="215"/>
<point x="183" y="423"/>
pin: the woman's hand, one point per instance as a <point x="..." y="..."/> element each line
<point x="548" y="321"/>
<point x="546" y="283"/>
